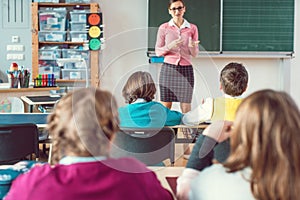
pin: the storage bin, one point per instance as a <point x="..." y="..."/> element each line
<point x="48" y="1"/>
<point x="78" y="36"/>
<point x="49" y="54"/>
<point x="77" y="1"/>
<point x="54" y="36"/>
<point x="78" y="26"/>
<point x="79" y="16"/>
<point x="73" y="73"/>
<point x="50" y="70"/>
<point x="75" y="65"/>
<point x="75" y="53"/>
<point x="52" y="20"/>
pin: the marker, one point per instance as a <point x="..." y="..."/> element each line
<point x="40" y="80"/>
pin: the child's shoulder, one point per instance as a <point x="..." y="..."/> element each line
<point x="157" y="103"/>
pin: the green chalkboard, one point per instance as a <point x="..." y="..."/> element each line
<point x="258" y="25"/>
<point x="247" y="25"/>
<point x="204" y="13"/>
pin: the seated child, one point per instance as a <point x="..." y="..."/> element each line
<point x="141" y="111"/>
<point x="82" y="126"/>
<point x="264" y="152"/>
<point x="234" y="81"/>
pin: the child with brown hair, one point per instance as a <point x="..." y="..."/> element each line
<point x="233" y="82"/>
<point x="141" y="111"/>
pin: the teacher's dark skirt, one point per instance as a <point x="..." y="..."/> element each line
<point x="176" y="83"/>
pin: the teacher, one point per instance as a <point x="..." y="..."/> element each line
<point x="177" y="40"/>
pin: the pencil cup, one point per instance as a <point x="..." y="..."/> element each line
<point x="24" y="81"/>
<point x="13" y="82"/>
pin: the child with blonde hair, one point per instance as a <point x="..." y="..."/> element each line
<point x="82" y="127"/>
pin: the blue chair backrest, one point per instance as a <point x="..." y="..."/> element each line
<point x="149" y="145"/>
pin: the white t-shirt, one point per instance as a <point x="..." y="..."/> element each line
<point x="214" y="183"/>
<point x="202" y="112"/>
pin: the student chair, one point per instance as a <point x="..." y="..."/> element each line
<point x="17" y="141"/>
<point x="150" y="146"/>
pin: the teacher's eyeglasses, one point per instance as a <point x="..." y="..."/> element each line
<point x="178" y="8"/>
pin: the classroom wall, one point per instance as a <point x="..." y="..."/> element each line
<point x="126" y="46"/>
<point x="15" y="28"/>
<point x="295" y="62"/>
<point x="125" y="52"/>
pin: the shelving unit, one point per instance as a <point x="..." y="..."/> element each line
<point x="94" y="55"/>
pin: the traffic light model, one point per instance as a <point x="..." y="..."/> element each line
<point x="95" y="30"/>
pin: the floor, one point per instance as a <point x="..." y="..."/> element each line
<point x="180" y="161"/>
<point x="180" y="148"/>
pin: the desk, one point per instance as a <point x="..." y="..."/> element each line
<point x="25" y="91"/>
<point x="39" y="100"/>
<point x="192" y="136"/>
<point x="18" y="92"/>
<point x="21" y="118"/>
<point x="163" y="172"/>
<point x="200" y="126"/>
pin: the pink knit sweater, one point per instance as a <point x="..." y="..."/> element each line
<point x="124" y="178"/>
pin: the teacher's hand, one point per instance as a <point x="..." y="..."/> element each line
<point x="193" y="43"/>
<point x="175" y="43"/>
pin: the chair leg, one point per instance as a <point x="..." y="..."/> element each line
<point x="44" y="148"/>
<point x="50" y="154"/>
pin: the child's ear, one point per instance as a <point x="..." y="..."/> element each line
<point x="245" y="89"/>
<point x="221" y="88"/>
